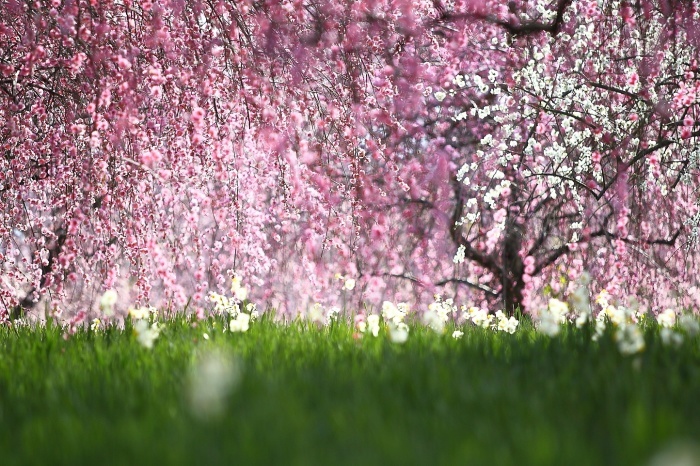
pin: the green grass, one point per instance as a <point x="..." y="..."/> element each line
<point x="309" y="396"/>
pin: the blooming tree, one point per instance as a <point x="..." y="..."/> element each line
<point x="575" y="125"/>
<point x="162" y="148"/>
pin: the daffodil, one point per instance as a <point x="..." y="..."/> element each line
<point x="667" y="318"/>
<point x="630" y="339"/>
<point x="394" y="313"/>
<point x="146" y="334"/>
<point x="398" y="333"/>
<point x="107" y="302"/>
<point x="238" y="290"/>
<point x="241" y="323"/>
<point x="669" y="337"/>
<point x="223" y="305"/>
<point x="505" y="324"/>
<point x="373" y="324"/>
<point x="95" y="325"/>
<point x="689" y="323"/>
<point x="141" y="312"/>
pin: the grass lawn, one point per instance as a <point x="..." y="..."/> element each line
<point x="301" y="395"/>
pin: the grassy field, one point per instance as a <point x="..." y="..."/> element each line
<point x="301" y="395"/>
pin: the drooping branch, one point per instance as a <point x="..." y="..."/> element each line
<point x="515" y="28"/>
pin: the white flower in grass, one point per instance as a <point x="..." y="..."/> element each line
<point x="669" y="337"/>
<point x="394" y="313"/>
<point x="238" y="290"/>
<point x="689" y="323"/>
<point x="438" y="314"/>
<point x="252" y="309"/>
<point x="479" y="317"/>
<point x="581" y="319"/>
<point x="558" y="308"/>
<point x="373" y="324"/>
<point x="241" y="323"/>
<point x="107" y="302"/>
<point x="332" y="314"/>
<point x="581" y="304"/>
<point x="349" y="284"/>
<point x="505" y="324"/>
<point x="141" y="312"/>
<point x="483" y="319"/>
<point x="549" y="324"/>
<point x="600" y="325"/>
<point x="666" y="318"/>
<point x="360" y="325"/>
<point x="617" y="315"/>
<point x="553" y="317"/>
<point x="512" y="325"/>
<point x="223" y="305"/>
<point x="316" y="314"/>
<point x="630" y="339"/>
<point x="433" y="320"/>
<point x="146" y="334"/>
<point x="212" y="377"/>
<point x="457" y="334"/>
<point x="95" y="325"/>
<point x="398" y="333"/>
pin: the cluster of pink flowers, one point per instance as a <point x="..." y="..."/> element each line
<point x="162" y="148"/>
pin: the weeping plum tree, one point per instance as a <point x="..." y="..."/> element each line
<point x="160" y="148"/>
<point x="577" y="124"/>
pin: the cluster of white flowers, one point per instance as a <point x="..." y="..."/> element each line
<point x="238" y="290"/>
<point x="630" y="339"/>
<point x="689" y="323"/>
<point x="146" y="333"/>
<point x="459" y="256"/>
<point x="142" y="313"/>
<point x="505" y="323"/>
<point x="438" y="314"/>
<point x="625" y="320"/>
<point x="628" y="335"/>
<point x="107" y="302"/>
<point x="240" y="323"/>
<point x="95" y="325"/>
<point x="398" y="333"/>
<point x="552" y="318"/>
<point x="666" y="318"/>
<point x="240" y="319"/>
<point x="393" y="315"/>
<point x="372" y="325"/>
<point x="224" y="305"/>
<point x="578" y="310"/>
<point x="674" y="327"/>
<point x="670" y="337"/>
<point x="580" y="301"/>
<point x="479" y="317"/>
<point x="497" y="322"/>
<point x="318" y="315"/>
<point x="213" y="375"/>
